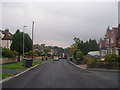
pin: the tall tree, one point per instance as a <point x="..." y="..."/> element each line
<point x="87" y="46"/>
<point x="72" y="49"/>
<point x="17" y="42"/>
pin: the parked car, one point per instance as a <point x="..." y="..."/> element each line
<point x="55" y="58"/>
<point x="60" y="57"/>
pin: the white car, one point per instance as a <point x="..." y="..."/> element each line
<point x="55" y="58"/>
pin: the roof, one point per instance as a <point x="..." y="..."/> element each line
<point x="7" y="35"/>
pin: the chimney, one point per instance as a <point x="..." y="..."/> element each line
<point x="7" y="30"/>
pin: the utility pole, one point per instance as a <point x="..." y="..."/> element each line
<point x="23" y="39"/>
<point x="32" y="36"/>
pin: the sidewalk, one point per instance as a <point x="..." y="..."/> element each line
<point x="16" y="72"/>
<point x="83" y="66"/>
<point x="12" y="71"/>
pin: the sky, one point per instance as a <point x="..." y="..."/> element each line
<point x="57" y="23"/>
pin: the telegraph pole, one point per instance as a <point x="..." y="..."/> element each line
<point x="23" y="39"/>
<point x="32" y="36"/>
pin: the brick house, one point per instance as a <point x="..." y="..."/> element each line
<point x="118" y="38"/>
<point x="103" y="50"/>
<point x="6" y="38"/>
<point x="111" y="42"/>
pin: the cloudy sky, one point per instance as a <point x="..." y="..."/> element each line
<point x="57" y="23"/>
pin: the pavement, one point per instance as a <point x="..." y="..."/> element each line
<point x="13" y="71"/>
<point x="62" y="74"/>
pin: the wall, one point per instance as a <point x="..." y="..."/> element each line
<point x="6" y="43"/>
<point x="7" y="60"/>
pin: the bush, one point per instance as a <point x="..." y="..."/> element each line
<point x="71" y="59"/>
<point x="88" y="59"/>
<point x="8" y="53"/>
<point x="31" y="53"/>
<point x="111" y="62"/>
<point x="111" y="57"/>
<point x="78" y="56"/>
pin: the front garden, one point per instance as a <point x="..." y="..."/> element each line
<point x="111" y="61"/>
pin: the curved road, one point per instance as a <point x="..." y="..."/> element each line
<point x="62" y="74"/>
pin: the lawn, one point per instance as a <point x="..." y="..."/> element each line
<point x="50" y="59"/>
<point x="3" y="75"/>
<point x="18" y="65"/>
<point x="38" y="61"/>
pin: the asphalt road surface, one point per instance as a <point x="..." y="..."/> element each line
<point x="62" y="74"/>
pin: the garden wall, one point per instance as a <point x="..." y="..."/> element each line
<point x="4" y="60"/>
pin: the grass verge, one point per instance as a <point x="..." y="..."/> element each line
<point x="38" y="62"/>
<point x="4" y="75"/>
<point x="50" y="59"/>
<point x="18" y="65"/>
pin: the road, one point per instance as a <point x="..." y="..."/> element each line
<point x="62" y="74"/>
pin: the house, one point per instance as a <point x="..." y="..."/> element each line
<point x="118" y="38"/>
<point x="111" y="42"/>
<point x="103" y="50"/>
<point x="6" y="38"/>
<point x="36" y="47"/>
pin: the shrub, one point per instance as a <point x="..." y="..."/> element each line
<point x="88" y="59"/>
<point x="111" y="57"/>
<point x="71" y="59"/>
<point x="78" y="56"/>
<point x="8" y="53"/>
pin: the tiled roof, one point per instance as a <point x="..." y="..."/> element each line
<point x="7" y="35"/>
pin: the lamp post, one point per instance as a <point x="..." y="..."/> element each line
<point x="23" y="39"/>
<point x="32" y="36"/>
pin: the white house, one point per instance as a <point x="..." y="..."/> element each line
<point x="6" y="38"/>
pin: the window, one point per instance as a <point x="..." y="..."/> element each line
<point x="112" y="40"/>
<point x="107" y="40"/>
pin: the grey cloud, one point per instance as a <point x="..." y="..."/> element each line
<point x="61" y="21"/>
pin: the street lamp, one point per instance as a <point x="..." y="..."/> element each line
<point x="23" y="39"/>
<point x="32" y="36"/>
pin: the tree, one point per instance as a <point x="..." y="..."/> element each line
<point x="17" y="32"/>
<point x="46" y="50"/>
<point x="72" y="49"/>
<point x="17" y="42"/>
<point x="78" y="56"/>
<point x="93" y="46"/>
<point x="87" y="46"/>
